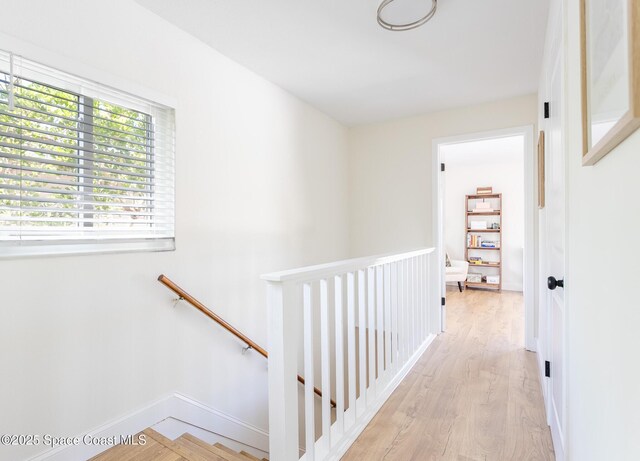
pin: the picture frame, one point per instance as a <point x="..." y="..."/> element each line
<point x="541" y="173"/>
<point x="610" y="72"/>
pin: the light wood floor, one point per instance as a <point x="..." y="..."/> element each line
<point x="473" y="396"/>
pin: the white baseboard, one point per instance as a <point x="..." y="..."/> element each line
<point x="556" y="435"/>
<point x="176" y="406"/>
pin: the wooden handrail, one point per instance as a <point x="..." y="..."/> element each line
<point x="166" y="281"/>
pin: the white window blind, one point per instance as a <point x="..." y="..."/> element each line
<point x="81" y="165"/>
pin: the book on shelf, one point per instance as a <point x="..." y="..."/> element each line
<point x="474" y="240"/>
<point x="478" y="261"/>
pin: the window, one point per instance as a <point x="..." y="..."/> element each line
<point x="82" y="167"/>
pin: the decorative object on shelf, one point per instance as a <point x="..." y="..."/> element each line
<point x="610" y="42"/>
<point x="484" y="190"/>
<point x="474" y="277"/>
<point x="478" y="225"/>
<point x="478" y="231"/>
<point x="541" y="176"/>
<point x="406" y="26"/>
<point x="483" y="207"/>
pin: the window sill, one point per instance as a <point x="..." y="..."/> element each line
<point x="13" y="249"/>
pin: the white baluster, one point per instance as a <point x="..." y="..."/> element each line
<point x="362" y="345"/>
<point x="401" y="334"/>
<point x="412" y="307"/>
<point x="387" y="321"/>
<point x="416" y="303"/>
<point x="371" y="317"/>
<point x="380" y="328"/>
<point x="325" y="363"/>
<point x="394" y="317"/>
<point x="422" y="297"/>
<point x="427" y="299"/>
<point x="351" y="344"/>
<point x="417" y="308"/>
<point x="427" y="286"/>
<point x="409" y="306"/>
<point x="339" y="355"/>
<point x="309" y="396"/>
<point x="407" y="310"/>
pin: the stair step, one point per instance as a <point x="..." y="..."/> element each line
<point x="234" y="455"/>
<point x="184" y="448"/>
<point x="112" y="454"/>
<point x="249" y="456"/>
<point x="142" y="452"/>
<point x="201" y="448"/>
<point x="150" y="451"/>
<point x="186" y="453"/>
<point x="218" y="449"/>
<point x="159" y="453"/>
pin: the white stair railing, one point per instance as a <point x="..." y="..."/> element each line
<point x="359" y="326"/>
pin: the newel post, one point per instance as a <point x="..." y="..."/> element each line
<point x="283" y="369"/>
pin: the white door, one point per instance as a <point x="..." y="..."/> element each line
<point x="554" y="259"/>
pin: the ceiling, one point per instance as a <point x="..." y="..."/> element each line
<point x="333" y="54"/>
<point x="485" y="152"/>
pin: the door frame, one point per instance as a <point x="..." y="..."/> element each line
<point x="530" y="218"/>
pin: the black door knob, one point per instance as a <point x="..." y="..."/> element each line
<point x="552" y="283"/>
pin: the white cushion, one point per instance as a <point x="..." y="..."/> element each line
<point x="457" y="272"/>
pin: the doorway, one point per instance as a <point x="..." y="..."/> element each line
<point x="463" y="163"/>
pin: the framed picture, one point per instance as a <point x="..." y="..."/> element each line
<point x="610" y="41"/>
<point x="541" y="170"/>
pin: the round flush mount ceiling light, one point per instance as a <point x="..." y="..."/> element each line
<point x="408" y="25"/>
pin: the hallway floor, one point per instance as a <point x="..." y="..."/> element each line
<point x="473" y="396"/>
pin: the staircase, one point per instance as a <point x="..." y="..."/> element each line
<point x="184" y="448"/>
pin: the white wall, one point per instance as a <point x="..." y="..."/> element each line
<point x="261" y="186"/>
<point x="493" y="162"/>
<point x="390" y="171"/>
<point x="603" y="310"/>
